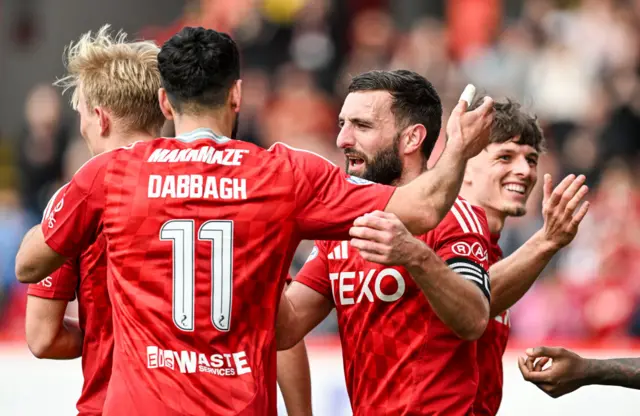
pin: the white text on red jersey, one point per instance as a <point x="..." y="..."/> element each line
<point x="350" y="288"/>
<point x="206" y="154"/>
<point x="196" y="187"/>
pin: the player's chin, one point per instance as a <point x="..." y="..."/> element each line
<point x="357" y="171"/>
<point x="514" y="209"/>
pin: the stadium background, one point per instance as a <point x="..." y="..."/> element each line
<point x="575" y="63"/>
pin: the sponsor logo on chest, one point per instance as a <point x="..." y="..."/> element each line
<point x="370" y="284"/>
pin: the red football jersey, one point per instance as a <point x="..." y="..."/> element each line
<point x="200" y="232"/>
<point x="399" y="357"/>
<point x="86" y="275"/>
<point x="491" y="347"/>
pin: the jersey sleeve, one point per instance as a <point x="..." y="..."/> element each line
<point x="61" y="284"/>
<point x="462" y="241"/>
<point x="315" y="272"/>
<point x="74" y="214"/>
<point x="329" y="200"/>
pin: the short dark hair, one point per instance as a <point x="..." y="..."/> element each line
<point x="198" y="67"/>
<point x="512" y="120"/>
<point x="415" y="100"/>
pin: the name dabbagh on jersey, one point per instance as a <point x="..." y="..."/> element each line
<point x="200" y="231"/>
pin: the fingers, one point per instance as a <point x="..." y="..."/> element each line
<point x="524" y="368"/>
<point x="541" y="363"/>
<point x="532" y="376"/>
<point x="577" y="198"/>
<point x="468" y="94"/>
<point x="367" y="233"/>
<point x="369" y="246"/>
<point x="579" y="216"/>
<point x="372" y="221"/>
<point x="465" y="100"/>
<point x="547" y="188"/>
<point x="557" y="193"/>
<point x="374" y="258"/>
<point x="551" y="352"/>
<point x="529" y="363"/>
<point x="569" y="193"/>
<point x="486" y="107"/>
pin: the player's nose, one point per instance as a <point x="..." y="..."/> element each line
<point x="345" y="138"/>
<point x="522" y="167"/>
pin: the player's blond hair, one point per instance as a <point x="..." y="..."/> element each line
<point x="121" y="76"/>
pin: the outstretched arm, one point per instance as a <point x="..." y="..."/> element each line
<point x="569" y="371"/>
<point x="512" y="277"/>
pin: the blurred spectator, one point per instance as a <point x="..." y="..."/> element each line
<point x="574" y="62"/>
<point x="13" y="225"/>
<point x="41" y="148"/>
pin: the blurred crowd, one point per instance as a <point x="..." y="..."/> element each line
<point x="574" y="63"/>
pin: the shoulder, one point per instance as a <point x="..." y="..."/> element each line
<point x="298" y="156"/>
<point x="466" y="218"/>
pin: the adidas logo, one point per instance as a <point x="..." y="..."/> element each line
<point x="340" y="252"/>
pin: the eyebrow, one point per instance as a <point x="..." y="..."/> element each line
<point x="357" y="120"/>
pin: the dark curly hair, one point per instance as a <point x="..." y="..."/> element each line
<point x="510" y="121"/>
<point x="198" y="67"/>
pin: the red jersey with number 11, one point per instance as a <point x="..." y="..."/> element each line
<point x="200" y="232"/>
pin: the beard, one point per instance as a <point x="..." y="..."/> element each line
<point x="385" y="167"/>
<point x="515" y="211"/>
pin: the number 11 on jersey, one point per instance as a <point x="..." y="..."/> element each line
<point x="181" y="234"/>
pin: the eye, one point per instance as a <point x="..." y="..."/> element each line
<point x="533" y="161"/>
<point x="504" y="158"/>
<point x="340" y="123"/>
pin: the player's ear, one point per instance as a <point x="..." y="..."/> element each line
<point x="103" y="120"/>
<point x="235" y="96"/>
<point x="413" y="137"/>
<point x="468" y="174"/>
<point x="165" y="105"/>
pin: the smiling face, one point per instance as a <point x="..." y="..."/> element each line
<point x="502" y="176"/>
<point x="370" y="138"/>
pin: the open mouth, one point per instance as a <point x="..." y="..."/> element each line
<point x="515" y="188"/>
<point x="355" y="162"/>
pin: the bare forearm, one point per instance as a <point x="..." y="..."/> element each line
<point x="623" y="372"/>
<point x="66" y="344"/>
<point x="301" y="309"/>
<point x="294" y="380"/>
<point x="513" y="276"/>
<point x="457" y="302"/>
<point x="425" y="201"/>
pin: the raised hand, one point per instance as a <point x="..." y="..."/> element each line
<point x="560" y="209"/>
<point x="468" y="131"/>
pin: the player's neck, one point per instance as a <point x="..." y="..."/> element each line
<point x="121" y="139"/>
<point x="495" y="219"/>
<point x="216" y="122"/>
<point x="409" y="173"/>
